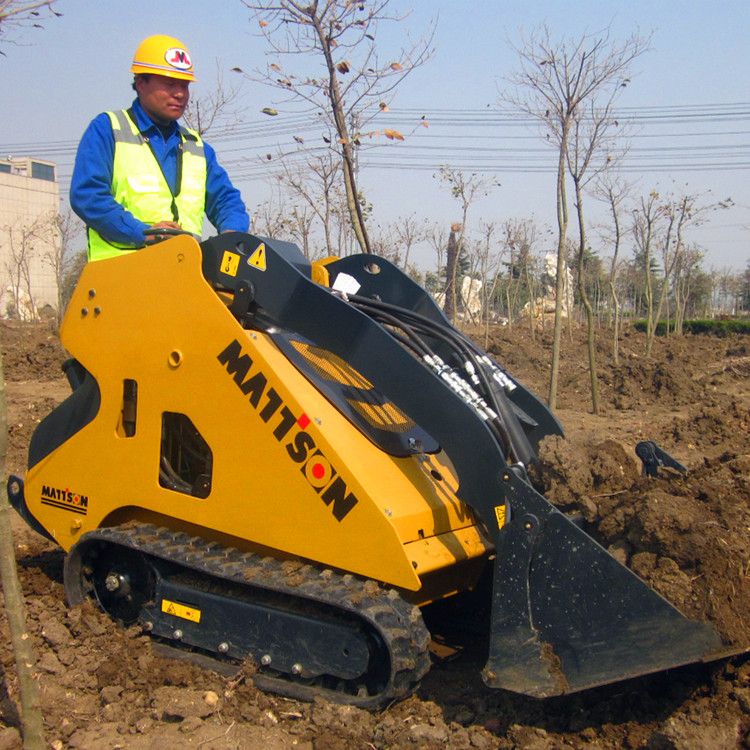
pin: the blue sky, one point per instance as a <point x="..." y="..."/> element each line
<point x="53" y="81"/>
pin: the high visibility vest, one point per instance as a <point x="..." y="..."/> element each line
<point x="139" y="185"/>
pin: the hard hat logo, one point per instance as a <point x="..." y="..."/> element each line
<point x="178" y="58"/>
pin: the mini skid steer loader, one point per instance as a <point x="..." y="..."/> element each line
<point x="271" y="460"/>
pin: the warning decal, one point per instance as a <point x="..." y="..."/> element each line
<point x="230" y="262"/>
<point x="258" y="258"/>
<point x="180" y="610"/>
<point x="500" y="514"/>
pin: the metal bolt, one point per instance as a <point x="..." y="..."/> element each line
<point x="92" y="293"/>
<point x="97" y="310"/>
<point x="177" y="635"/>
<point x="223" y="647"/>
<point x="318" y="420"/>
<point x="297" y="668"/>
<point x="388" y="512"/>
<point x="528" y="526"/>
<point x="506" y="477"/>
<point x="84" y="311"/>
<point x="112" y="582"/>
<point x="265" y="660"/>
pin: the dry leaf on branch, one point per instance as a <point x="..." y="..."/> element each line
<point x="396" y="66"/>
<point x="270" y="111"/>
<point x="393" y="135"/>
<point x="343" y="67"/>
<point x="383" y="107"/>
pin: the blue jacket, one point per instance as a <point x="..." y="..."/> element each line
<point x="91" y="185"/>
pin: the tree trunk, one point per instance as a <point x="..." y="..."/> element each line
<point x="23" y="649"/>
<point x="590" y="331"/>
<point x="650" y="324"/>
<point x="613" y="288"/>
<point x="451" y="268"/>
<point x="562" y="225"/>
<point x="615" y="323"/>
<point x="347" y="154"/>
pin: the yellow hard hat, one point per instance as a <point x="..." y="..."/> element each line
<point x="163" y="56"/>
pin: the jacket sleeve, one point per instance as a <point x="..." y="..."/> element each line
<point x="91" y="187"/>
<point x="225" y="208"/>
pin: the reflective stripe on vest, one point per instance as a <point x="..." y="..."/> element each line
<point x="140" y="187"/>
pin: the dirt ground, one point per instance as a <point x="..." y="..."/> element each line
<point x="687" y="536"/>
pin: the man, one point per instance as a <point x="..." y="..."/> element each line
<point x="138" y="170"/>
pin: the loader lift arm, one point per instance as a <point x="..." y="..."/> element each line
<point x="565" y="615"/>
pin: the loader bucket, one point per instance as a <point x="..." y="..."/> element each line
<point x="567" y="616"/>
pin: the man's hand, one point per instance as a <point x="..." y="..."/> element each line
<point x="166" y="225"/>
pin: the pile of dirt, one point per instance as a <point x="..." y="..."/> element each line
<point x="686" y="535"/>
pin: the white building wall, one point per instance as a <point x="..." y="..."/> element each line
<point x="29" y="206"/>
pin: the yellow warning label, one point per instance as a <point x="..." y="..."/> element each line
<point x="258" y="258"/>
<point x="230" y="262"/>
<point x="180" y="610"/>
<point x="500" y="515"/>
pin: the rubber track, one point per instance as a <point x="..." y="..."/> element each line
<point x="398" y="623"/>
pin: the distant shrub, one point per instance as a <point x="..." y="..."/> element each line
<point x="715" y="327"/>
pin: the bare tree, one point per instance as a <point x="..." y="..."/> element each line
<point x="555" y="81"/>
<point x="686" y="268"/>
<point x="645" y="227"/>
<point x="353" y="84"/>
<point x="590" y="138"/>
<point x="316" y="186"/>
<point x="300" y="227"/>
<point x="217" y="108"/>
<point x="64" y="257"/>
<point x="436" y="238"/>
<point x="614" y="192"/>
<point x="408" y="231"/>
<point x="489" y="256"/>
<point x="383" y="243"/>
<point x="24" y="243"/>
<point x="15" y="14"/>
<point x="519" y="238"/>
<point x="271" y="218"/>
<point x="465" y="188"/>
<point x="679" y="213"/>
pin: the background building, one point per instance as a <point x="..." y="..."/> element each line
<point x="30" y="242"/>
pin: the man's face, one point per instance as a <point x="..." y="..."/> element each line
<point x="164" y="99"/>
